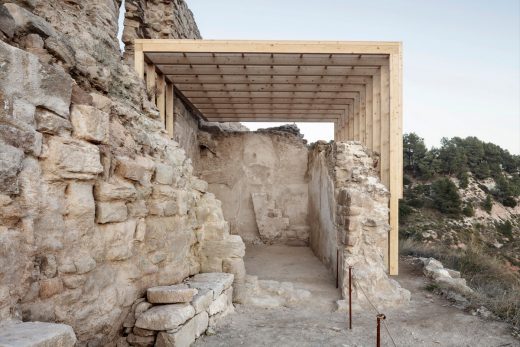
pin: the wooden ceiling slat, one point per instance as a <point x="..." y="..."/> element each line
<point x="204" y="79"/>
<point x="208" y="101"/>
<point x="266" y="59"/>
<point x="269" y="87"/>
<point x="248" y="107"/>
<point x="267" y="70"/>
<point x="274" y="119"/>
<point x="210" y="113"/>
<point x="266" y="94"/>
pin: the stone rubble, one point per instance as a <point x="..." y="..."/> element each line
<point x="448" y="280"/>
<point x="178" y="314"/>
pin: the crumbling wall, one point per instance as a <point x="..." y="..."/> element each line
<point x="260" y="177"/>
<point x="345" y="188"/>
<point x="96" y="203"/>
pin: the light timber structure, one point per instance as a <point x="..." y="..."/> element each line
<point x="355" y="85"/>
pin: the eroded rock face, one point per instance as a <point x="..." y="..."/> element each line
<point x="97" y="204"/>
<point x="350" y="216"/>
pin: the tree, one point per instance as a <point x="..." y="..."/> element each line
<point x="446" y="197"/>
<point x="414" y="151"/>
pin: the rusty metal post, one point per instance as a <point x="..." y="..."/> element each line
<point x="379" y="318"/>
<point x="350" y="297"/>
<point x="337" y="268"/>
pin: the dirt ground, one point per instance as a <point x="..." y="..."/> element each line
<point x="428" y="320"/>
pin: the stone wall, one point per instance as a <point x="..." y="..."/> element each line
<point x="96" y="203"/>
<point x="350" y="209"/>
<point x="260" y="177"/>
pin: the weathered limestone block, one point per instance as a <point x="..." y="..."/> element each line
<point x="10" y="165"/>
<point x="164" y="174"/>
<point x="118" y="239"/>
<point x="198" y="184"/>
<point x="202" y="300"/>
<point x="140" y="169"/>
<point x="115" y="190"/>
<point x="50" y="123"/>
<point x="89" y="123"/>
<point x="24" y="137"/>
<point x="222" y="302"/>
<point x="25" y="21"/>
<point x="173" y="294"/>
<point x="213" y="231"/>
<point x="74" y="159"/>
<point x="29" y="334"/>
<point x="165" y="317"/>
<point x="50" y="287"/>
<point x="137" y="208"/>
<point x="236" y="267"/>
<point x="271" y="224"/>
<point x="110" y="212"/>
<point x="41" y="85"/>
<point x="217" y="282"/>
<point x="140" y="341"/>
<point x="185" y="335"/>
<point x="231" y="246"/>
<point x="83" y="263"/>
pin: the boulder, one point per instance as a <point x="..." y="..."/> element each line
<point x="32" y="334"/>
<point x="170" y="294"/>
<point x="165" y="317"/>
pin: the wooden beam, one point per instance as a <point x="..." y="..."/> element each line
<point x="356" y="117"/>
<point x="385" y="126"/>
<point x="275" y="87"/>
<point x="214" y="101"/>
<point x="268" y="107"/>
<point x="170" y="109"/>
<point x="168" y="58"/>
<point x="240" y="46"/>
<point x="161" y="98"/>
<point x="268" y="79"/>
<point x="267" y="70"/>
<point x="369" y="129"/>
<point x="362" y="116"/>
<point x="272" y="119"/>
<point x="150" y="80"/>
<point x="376" y="114"/>
<point x="273" y="95"/>
<point x="139" y="60"/>
<point x="350" y="122"/>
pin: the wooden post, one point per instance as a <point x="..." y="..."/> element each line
<point x="150" y="80"/>
<point x="161" y="97"/>
<point x="170" y="109"/>
<point x="369" y="113"/>
<point x="376" y="110"/>
<point x="139" y="59"/>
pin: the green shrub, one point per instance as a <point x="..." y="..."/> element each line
<point x="509" y="201"/>
<point x="468" y="210"/>
<point x="488" y="204"/>
<point x="404" y="210"/>
<point x="463" y="180"/>
<point x="506" y="228"/>
<point x="445" y="196"/>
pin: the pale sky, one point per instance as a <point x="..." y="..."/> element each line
<point x="461" y="58"/>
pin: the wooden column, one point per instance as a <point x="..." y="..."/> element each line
<point x="362" y="116"/>
<point x="161" y="97"/>
<point x="150" y="80"/>
<point x="170" y="109"/>
<point x="395" y="161"/>
<point x="350" y="121"/>
<point x="369" y="112"/>
<point x="376" y="113"/>
<point x="385" y="126"/>
<point x="139" y="59"/>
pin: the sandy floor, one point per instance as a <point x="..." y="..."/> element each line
<point x="427" y="321"/>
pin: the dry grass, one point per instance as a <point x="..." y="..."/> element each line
<point x="496" y="287"/>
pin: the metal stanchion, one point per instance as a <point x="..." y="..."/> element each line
<point x="379" y="318"/>
<point x="350" y="297"/>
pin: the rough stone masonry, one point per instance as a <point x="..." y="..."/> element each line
<point x="96" y="203"/>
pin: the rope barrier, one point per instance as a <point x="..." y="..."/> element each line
<point x="377" y="313"/>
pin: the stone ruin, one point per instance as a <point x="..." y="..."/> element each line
<point x="100" y="209"/>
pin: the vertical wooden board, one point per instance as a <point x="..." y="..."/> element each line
<point x="150" y="81"/>
<point x="369" y="111"/>
<point x="376" y="113"/>
<point x="385" y="126"/>
<point x="357" y="117"/>
<point x="139" y="60"/>
<point x="395" y="162"/>
<point x="170" y="109"/>
<point x="362" y="116"/>
<point x="161" y="98"/>
<point x="400" y="90"/>
<point x="350" y="121"/>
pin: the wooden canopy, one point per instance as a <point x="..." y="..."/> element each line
<point x="355" y="85"/>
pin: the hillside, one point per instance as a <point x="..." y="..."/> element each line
<point x="461" y="205"/>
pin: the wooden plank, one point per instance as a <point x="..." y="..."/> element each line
<point x="161" y="98"/>
<point x="350" y="122"/>
<point x="170" y="109"/>
<point x="242" y="79"/>
<point x="168" y="58"/>
<point x="228" y="101"/>
<point x="369" y="130"/>
<point x="273" y="119"/>
<point x="275" y="111"/>
<point x="385" y="126"/>
<point x="268" y="107"/>
<point x="376" y="114"/>
<point x="395" y="140"/>
<point x="150" y="81"/>
<point x="362" y="116"/>
<point x="356" y="118"/>
<point x="266" y="70"/>
<point x="278" y="87"/>
<point x="274" y="95"/>
<point x="139" y="60"/>
<point x="240" y="46"/>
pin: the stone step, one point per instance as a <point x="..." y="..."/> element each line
<point x="36" y="334"/>
<point x="174" y="294"/>
<point x="215" y="281"/>
<point x="165" y="317"/>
